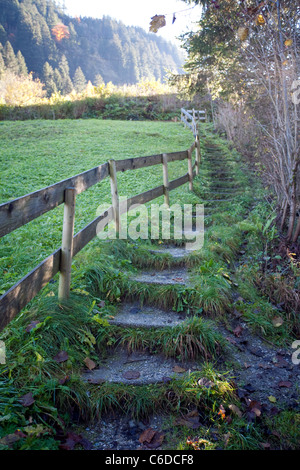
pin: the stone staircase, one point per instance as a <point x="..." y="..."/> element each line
<point x="140" y="367"/>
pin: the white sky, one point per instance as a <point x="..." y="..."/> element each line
<point x="139" y="13"/>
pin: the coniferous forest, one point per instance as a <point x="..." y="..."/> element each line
<point x="65" y="53"/>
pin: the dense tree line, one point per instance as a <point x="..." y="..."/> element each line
<point x="65" y="53"/>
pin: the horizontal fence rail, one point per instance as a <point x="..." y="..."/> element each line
<point x="22" y="210"/>
<point x="191" y="117"/>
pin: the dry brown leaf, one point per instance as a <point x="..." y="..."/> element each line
<point x="238" y="331"/>
<point x="204" y="382"/>
<point x="131" y="374"/>
<point x="277" y="321"/>
<point x="147" y="435"/>
<point x="89" y="363"/>
<point x="157" y="22"/>
<point x="62" y="356"/>
<point x="285" y="383"/>
<point x="27" y="400"/>
<point x="243" y="33"/>
<point x="179" y="369"/>
<point x="235" y="410"/>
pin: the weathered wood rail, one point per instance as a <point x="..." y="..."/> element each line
<point x="22" y="210"/>
<point x="191" y="117"/>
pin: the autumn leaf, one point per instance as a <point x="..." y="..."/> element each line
<point x="235" y="410"/>
<point x="27" y="400"/>
<point x="191" y="420"/>
<point x="62" y="356"/>
<point x="288" y="42"/>
<point x="72" y="439"/>
<point x="204" y="382"/>
<point x="238" y="331"/>
<point x="277" y="321"/>
<point x="147" y="435"/>
<point x="221" y="412"/>
<point x="179" y="369"/>
<point x="260" y="19"/>
<point x="9" y="440"/>
<point x="157" y="22"/>
<point x="286" y="384"/>
<point x="131" y="374"/>
<point x="89" y="363"/>
<point x="272" y="399"/>
<point x="151" y="439"/>
<point x="243" y="33"/>
<point x="32" y="325"/>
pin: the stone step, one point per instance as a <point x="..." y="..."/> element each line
<point x="136" y="316"/>
<point x="175" y="252"/>
<point x="138" y="368"/>
<point x="165" y="277"/>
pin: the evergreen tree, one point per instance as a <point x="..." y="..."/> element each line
<point x="10" y="60"/>
<point x="64" y="70"/>
<point x="49" y="79"/>
<point x="22" y="68"/>
<point x="79" y="80"/>
<point x="2" y="65"/>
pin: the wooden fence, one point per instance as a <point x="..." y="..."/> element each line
<point x="22" y="210"/>
<point x="191" y="117"/>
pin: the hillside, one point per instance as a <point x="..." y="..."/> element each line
<point x="59" y="49"/>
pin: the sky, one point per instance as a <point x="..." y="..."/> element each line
<point x="139" y="13"/>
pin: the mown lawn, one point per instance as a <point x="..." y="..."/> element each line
<point x="35" y="154"/>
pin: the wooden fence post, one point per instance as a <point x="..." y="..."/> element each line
<point x="166" y="179"/>
<point x="114" y="194"/>
<point x="190" y="169"/>
<point x="67" y="244"/>
<point x="198" y="154"/>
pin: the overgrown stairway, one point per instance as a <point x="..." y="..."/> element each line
<point x="152" y="343"/>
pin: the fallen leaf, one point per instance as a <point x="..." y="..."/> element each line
<point x="191" y="420"/>
<point x="147" y="435"/>
<point x="62" y="356"/>
<point x="221" y="412"/>
<point x="64" y="380"/>
<point x="72" y="439"/>
<point x="277" y="322"/>
<point x="284" y="383"/>
<point x="236" y="410"/>
<point x="179" y="369"/>
<point x="226" y="438"/>
<point x="9" y="440"/>
<point x="272" y="399"/>
<point x="89" y="363"/>
<point x="156" y="441"/>
<point x="27" y="400"/>
<point x="131" y="374"/>
<point x="157" y="22"/>
<point x="204" y="382"/>
<point x="255" y="407"/>
<point x="32" y="325"/>
<point x="264" y="366"/>
<point x="238" y="331"/>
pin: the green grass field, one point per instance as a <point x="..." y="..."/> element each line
<point x="36" y="154"/>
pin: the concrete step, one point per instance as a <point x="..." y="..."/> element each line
<point x="136" y="316"/>
<point x="138" y="368"/>
<point x="165" y="277"/>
